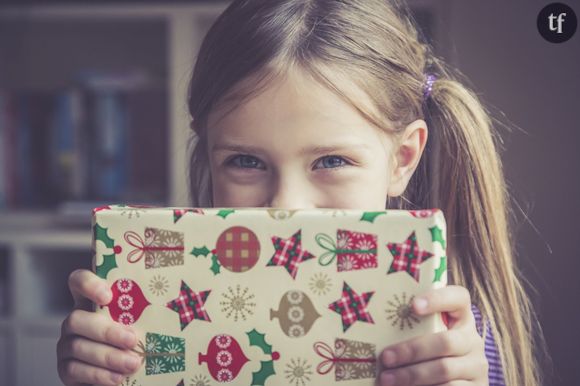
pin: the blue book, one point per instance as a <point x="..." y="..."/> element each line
<point x="111" y="126"/>
<point x="8" y="179"/>
<point x="3" y="160"/>
<point x="63" y="146"/>
<point x="24" y="153"/>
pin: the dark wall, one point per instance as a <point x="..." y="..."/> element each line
<point x="537" y="85"/>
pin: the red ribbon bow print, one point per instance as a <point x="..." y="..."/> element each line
<point x="326" y="366"/>
<point x="133" y="239"/>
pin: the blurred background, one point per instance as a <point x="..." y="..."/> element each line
<point x="93" y="110"/>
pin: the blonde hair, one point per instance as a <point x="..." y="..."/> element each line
<point x="377" y="45"/>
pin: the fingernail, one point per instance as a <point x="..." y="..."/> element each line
<point x="131" y="362"/>
<point x="389" y="358"/>
<point x="117" y="378"/>
<point x="387" y="379"/>
<point x="420" y="304"/>
<point x="128" y="338"/>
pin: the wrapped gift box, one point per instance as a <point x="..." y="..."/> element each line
<point x="256" y="296"/>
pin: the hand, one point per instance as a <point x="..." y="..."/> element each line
<point x="453" y="357"/>
<point x="92" y="348"/>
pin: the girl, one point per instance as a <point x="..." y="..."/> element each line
<point x="329" y="103"/>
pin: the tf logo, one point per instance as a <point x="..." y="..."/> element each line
<point x="557" y="22"/>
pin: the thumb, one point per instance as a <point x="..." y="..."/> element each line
<point x="453" y="302"/>
<point x="87" y="288"/>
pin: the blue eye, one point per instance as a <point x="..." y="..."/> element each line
<point x="246" y="162"/>
<point x="331" y="162"/>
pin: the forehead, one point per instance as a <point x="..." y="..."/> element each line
<point x="294" y="100"/>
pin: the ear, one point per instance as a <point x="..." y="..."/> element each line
<point x="406" y="156"/>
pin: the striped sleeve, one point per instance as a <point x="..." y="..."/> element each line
<point x="491" y="351"/>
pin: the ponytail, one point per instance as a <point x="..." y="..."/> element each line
<point x="468" y="186"/>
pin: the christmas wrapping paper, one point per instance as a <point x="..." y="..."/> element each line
<point x="256" y="296"/>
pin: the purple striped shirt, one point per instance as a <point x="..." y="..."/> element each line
<point x="491" y="352"/>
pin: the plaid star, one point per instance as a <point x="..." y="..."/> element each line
<point x="289" y="253"/>
<point x="407" y="256"/>
<point x="179" y="213"/>
<point x="189" y="305"/>
<point x="352" y="307"/>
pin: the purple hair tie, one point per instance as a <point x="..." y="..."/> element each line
<point x="428" y="85"/>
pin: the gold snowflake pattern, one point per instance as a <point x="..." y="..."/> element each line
<point x="128" y="382"/>
<point x="199" y="380"/>
<point x="159" y="285"/>
<point x="298" y="372"/>
<point x="399" y="311"/>
<point x="131" y="212"/>
<point x="320" y="283"/>
<point x="238" y="303"/>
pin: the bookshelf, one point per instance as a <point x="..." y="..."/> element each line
<point x="68" y="65"/>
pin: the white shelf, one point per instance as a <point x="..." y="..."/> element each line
<point x="51" y="323"/>
<point x="5" y="323"/>
<point x="38" y="248"/>
<point x="53" y="239"/>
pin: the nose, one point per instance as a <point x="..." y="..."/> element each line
<point x="290" y="193"/>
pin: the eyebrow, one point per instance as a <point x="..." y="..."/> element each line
<point x="308" y="150"/>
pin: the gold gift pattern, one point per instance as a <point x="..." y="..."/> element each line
<point x="350" y="359"/>
<point x="159" y="247"/>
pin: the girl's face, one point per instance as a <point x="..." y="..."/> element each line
<point x="298" y="145"/>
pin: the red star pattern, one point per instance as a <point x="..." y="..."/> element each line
<point x="189" y="305"/>
<point x="289" y="253"/>
<point x="352" y="307"/>
<point x="407" y="256"/>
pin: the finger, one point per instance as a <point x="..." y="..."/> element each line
<point x="99" y="329"/>
<point x="435" y="372"/>
<point x="84" y="285"/>
<point x="454" y="300"/>
<point x="98" y="354"/>
<point x="423" y="348"/>
<point x="73" y="372"/>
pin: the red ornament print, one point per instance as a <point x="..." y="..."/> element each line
<point x="238" y="249"/>
<point x="128" y="302"/>
<point x="224" y="358"/>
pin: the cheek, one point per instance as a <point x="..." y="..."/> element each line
<point x="228" y="194"/>
<point x="359" y="192"/>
